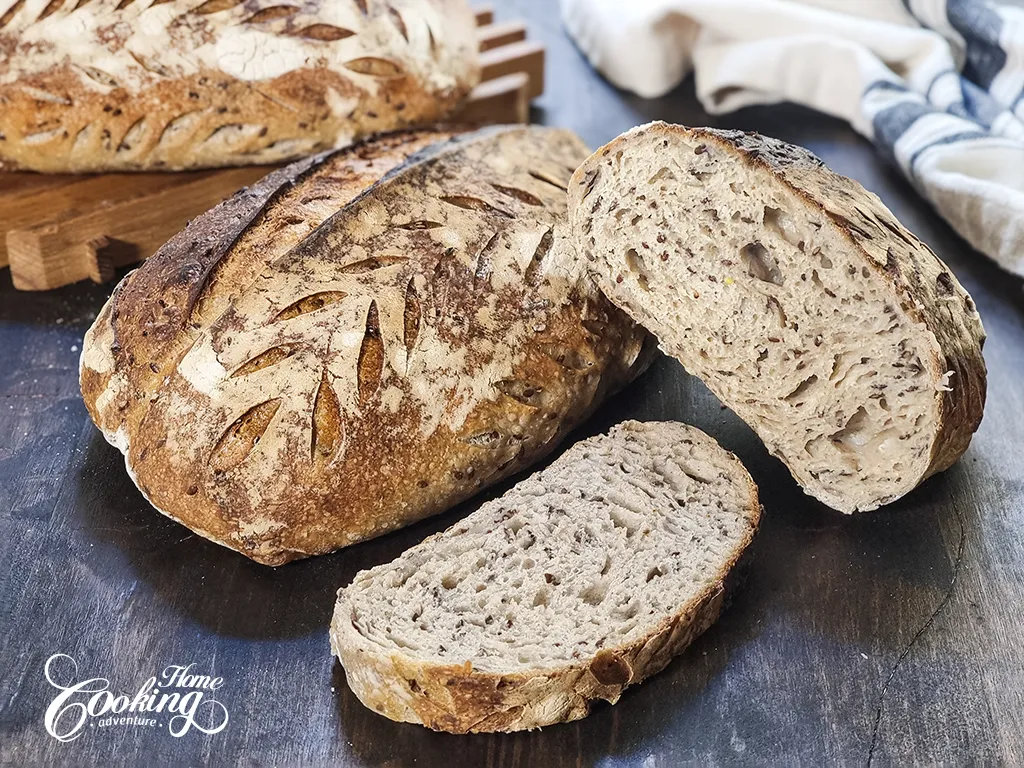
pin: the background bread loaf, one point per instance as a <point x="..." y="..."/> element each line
<point x="286" y="390"/>
<point x="175" y="84"/>
<point x="796" y="296"/>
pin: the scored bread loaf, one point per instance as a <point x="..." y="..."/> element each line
<point x="582" y="580"/>
<point x="286" y="389"/>
<point x="796" y="296"/>
<point x="173" y="84"/>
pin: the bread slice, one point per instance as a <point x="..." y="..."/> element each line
<point x="583" y="579"/>
<point x="796" y="296"/>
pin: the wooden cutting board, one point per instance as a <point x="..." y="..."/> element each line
<point x="59" y="229"/>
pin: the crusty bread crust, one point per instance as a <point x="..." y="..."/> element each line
<point x="922" y="286"/>
<point x="457" y="699"/>
<point x="460" y="699"/>
<point x="286" y="389"/>
<point x="108" y="85"/>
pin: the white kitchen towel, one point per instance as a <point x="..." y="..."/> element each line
<point x="938" y="85"/>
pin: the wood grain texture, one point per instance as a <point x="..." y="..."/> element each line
<point x="794" y="672"/>
<point x="23" y="196"/>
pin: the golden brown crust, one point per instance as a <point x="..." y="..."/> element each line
<point x="458" y="699"/>
<point x="286" y="392"/>
<point x="927" y="292"/>
<point x="112" y="86"/>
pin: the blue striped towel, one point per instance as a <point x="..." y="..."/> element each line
<point x="938" y="85"/>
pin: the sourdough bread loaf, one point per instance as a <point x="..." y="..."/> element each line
<point x="796" y="296"/>
<point x="333" y="354"/>
<point x="582" y="580"/>
<point x="173" y="84"/>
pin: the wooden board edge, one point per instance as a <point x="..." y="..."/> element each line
<point x="501" y="100"/>
<point x="496" y="35"/>
<point x="524" y="56"/>
<point x="484" y="15"/>
<point x="55" y="253"/>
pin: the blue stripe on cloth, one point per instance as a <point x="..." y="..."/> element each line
<point x="977" y="105"/>
<point x="952" y="139"/>
<point x="892" y="122"/>
<point x="1016" y="104"/>
<point x="884" y="85"/>
<point x="980" y="26"/>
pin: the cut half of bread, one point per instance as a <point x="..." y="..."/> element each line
<point x="796" y="296"/>
<point x="582" y="580"/>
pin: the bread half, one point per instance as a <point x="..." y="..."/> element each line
<point x="796" y="296"/>
<point x="582" y="580"/>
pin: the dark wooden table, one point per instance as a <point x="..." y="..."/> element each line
<point x="888" y="637"/>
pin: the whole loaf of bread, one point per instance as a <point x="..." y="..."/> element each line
<point x="102" y="85"/>
<point x="285" y="383"/>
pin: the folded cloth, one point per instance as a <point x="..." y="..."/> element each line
<point x="938" y="85"/>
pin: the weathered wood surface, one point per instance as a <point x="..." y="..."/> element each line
<point x="891" y="637"/>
